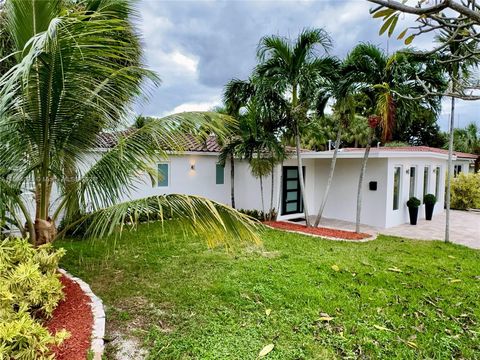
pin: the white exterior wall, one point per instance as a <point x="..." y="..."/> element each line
<point x="342" y="199"/>
<point x="400" y="216"/>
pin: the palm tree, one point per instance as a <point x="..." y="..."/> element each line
<point x="295" y="70"/>
<point x="344" y="112"/>
<point x="388" y="84"/>
<point x="77" y="70"/>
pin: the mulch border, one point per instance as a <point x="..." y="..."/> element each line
<point x="98" y="329"/>
<point x="371" y="238"/>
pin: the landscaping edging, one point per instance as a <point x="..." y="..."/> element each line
<point x="98" y="328"/>
<point x="371" y="238"/>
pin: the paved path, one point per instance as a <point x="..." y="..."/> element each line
<point x="464" y="228"/>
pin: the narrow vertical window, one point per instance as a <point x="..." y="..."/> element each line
<point x="437" y="182"/>
<point x="396" y="187"/>
<point x="219" y="174"/>
<point x="426" y="179"/>
<point x="413" y="181"/>
<point x="162" y="174"/>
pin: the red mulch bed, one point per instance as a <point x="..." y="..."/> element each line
<point x="320" y="231"/>
<point x="74" y="314"/>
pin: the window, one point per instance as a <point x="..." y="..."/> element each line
<point x="396" y="186"/>
<point x="163" y="169"/>
<point x="413" y="181"/>
<point x="219" y="174"/>
<point x="426" y="179"/>
<point x="437" y="182"/>
<point x="457" y="169"/>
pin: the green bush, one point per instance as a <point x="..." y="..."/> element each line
<point x="429" y="199"/>
<point x="259" y="215"/>
<point x="465" y="191"/>
<point x="413" y="202"/>
<point x="30" y="290"/>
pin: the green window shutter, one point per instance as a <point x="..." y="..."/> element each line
<point x="219" y="174"/>
<point x="163" y="175"/>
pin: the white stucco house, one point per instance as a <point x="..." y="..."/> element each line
<point x="393" y="175"/>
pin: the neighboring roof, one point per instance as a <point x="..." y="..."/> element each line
<point x="398" y="151"/>
<point x="420" y="149"/>
<point x="109" y="140"/>
<point x="192" y="144"/>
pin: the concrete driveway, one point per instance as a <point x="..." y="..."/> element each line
<point x="464" y="229"/>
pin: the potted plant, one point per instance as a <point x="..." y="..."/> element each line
<point x="413" y="204"/>
<point x="429" y="200"/>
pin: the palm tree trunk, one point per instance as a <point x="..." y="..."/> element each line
<point x="279" y="192"/>
<point x="330" y="176"/>
<point x="300" y="178"/>
<point x="450" y="169"/>
<point x="271" y="193"/>
<point x="360" y="182"/>
<point x="232" y="180"/>
<point x="261" y="195"/>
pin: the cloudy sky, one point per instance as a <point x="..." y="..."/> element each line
<point x="197" y="46"/>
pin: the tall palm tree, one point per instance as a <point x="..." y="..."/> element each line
<point x="389" y="83"/>
<point x="77" y="70"/>
<point x="344" y="112"/>
<point x="294" y="69"/>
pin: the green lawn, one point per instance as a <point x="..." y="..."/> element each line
<point x="388" y="299"/>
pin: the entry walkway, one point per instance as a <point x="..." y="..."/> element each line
<point x="464" y="228"/>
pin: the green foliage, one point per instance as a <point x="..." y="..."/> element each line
<point x="429" y="199"/>
<point x="413" y="202"/>
<point x="395" y="144"/>
<point x="30" y="289"/>
<point x="466" y="191"/>
<point x="260" y="215"/>
<point x="22" y="337"/>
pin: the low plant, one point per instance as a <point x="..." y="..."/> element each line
<point x="413" y="202"/>
<point x="429" y="199"/>
<point x="30" y="290"/>
<point x="465" y="191"/>
<point x="260" y="215"/>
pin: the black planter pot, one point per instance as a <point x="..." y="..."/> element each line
<point x="413" y="212"/>
<point x="429" y="211"/>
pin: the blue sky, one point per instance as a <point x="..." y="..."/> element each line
<point x="197" y="46"/>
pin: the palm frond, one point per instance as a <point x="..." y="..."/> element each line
<point x="216" y="223"/>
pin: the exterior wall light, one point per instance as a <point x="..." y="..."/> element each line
<point x="192" y="166"/>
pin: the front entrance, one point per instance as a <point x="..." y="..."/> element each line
<point x="291" y="194"/>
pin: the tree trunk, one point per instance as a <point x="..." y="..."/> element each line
<point x="232" y="180"/>
<point x="360" y="182"/>
<point x="279" y="192"/>
<point x="271" y="193"/>
<point x="300" y="177"/>
<point x="44" y="226"/>
<point x="261" y="195"/>
<point x="450" y="169"/>
<point x="330" y="176"/>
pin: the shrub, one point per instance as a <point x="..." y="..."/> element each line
<point x="429" y="199"/>
<point x="259" y="215"/>
<point x="413" y="202"/>
<point x="30" y="290"/>
<point x="465" y="191"/>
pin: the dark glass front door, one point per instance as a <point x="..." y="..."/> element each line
<point x="291" y="195"/>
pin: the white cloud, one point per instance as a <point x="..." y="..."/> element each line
<point x="195" y="106"/>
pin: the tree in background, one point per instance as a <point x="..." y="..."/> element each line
<point x="293" y="69"/>
<point x="467" y="139"/>
<point x="77" y="70"/>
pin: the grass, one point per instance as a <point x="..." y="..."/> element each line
<point x="387" y="299"/>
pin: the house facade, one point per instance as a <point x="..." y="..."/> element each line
<point x="393" y="175"/>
